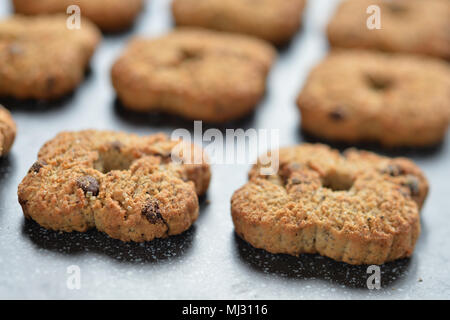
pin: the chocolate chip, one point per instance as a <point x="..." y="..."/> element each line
<point x="23" y="202"/>
<point x="413" y="184"/>
<point x="37" y="166"/>
<point x="151" y="212"/>
<point x="338" y="114"/>
<point x="89" y="185"/>
<point x="393" y="170"/>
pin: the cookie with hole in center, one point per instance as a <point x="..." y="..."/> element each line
<point x="108" y="15"/>
<point x="409" y="26"/>
<point x="358" y="207"/>
<point x="132" y="188"/>
<point x="395" y="100"/>
<point x="273" y="20"/>
<point x="197" y="74"/>
<point x="7" y="131"/>
<point x="40" y="58"/>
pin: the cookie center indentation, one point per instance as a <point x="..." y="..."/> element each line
<point x="378" y="82"/>
<point x="337" y="181"/>
<point x="112" y="159"/>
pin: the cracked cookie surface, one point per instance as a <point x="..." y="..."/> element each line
<point x="122" y="184"/>
<point x="108" y="15"/>
<point x="7" y="131"/>
<point x="197" y="74"/>
<point x="40" y="58"/>
<point x="357" y="207"/>
<point x="361" y="96"/>
<point x="410" y="26"/>
<point x="273" y="20"/>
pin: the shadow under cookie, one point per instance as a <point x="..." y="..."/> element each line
<point x="161" y="120"/>
<point x="6" y="166"/>
<point x="37" y="105"/>
<point x="74" y="243"/>
<point x="421" y="152"/>
<point x="316" y="267"/>
<point x="32" y="105"/>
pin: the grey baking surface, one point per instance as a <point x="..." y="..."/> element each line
<point x="208" y="261"/>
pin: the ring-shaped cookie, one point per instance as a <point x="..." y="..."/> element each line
<point x="358" y="207"/>
<point x="124" y="185"/>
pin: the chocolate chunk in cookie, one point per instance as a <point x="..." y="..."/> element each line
<point x="89" y="185"/>
<point x="151" y="212"/>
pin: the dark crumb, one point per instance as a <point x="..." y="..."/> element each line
<point x="151" y="212"/>
<point x="37" y="166"/>
<point x="338" y="114"/>
<point x="88" y="184"/>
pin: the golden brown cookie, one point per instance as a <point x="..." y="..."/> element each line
<point x="40" y="58"/>
<point x="396" y="100"/>
<point x="7" y="131"/>
<point x="411" y="26"/>
<point x="194" y="73"/>
<point x="273" y="20"/>
<point x="357" y="207"/>
<point x="122" y="184"/>
<point x="108" y="15"/>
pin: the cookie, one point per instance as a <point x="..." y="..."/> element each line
<point x="273" y="20"/>
<point x="122" y="184"/>
<point x="410" y="26"/>
<point x="7" y="131"/>
<point x="108" y="15"/>
<point x="194" y="73"/>
<point x="40" y="58"/>
<point x="395" y="100"/>
<point x="358" y="207"/>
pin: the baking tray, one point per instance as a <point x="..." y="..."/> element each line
<point x="208" y="261"/>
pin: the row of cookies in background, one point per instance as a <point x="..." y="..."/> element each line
<point x="217" y="76"/>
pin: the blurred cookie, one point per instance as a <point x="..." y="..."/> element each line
<point x="358" y="207"/>
<point x="7" y="131"/>
<point x="273" y="20"/>
<point x="108" y="15"/>
<point x="194" y="73"/>
<point x="40" y="58"/>
<point x="360" y="96"/>
<point x="411" y="26"/>
<point x="124" y="185"/>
